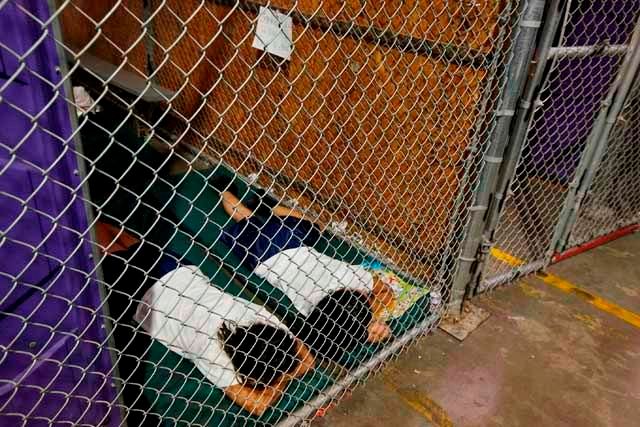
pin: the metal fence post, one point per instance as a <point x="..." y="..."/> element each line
<point x="524" y="114"/>
<point x="526" y="107"/>
<point x="522" y="51"/>
<point x="98" y="278"/>
<point x="597" y="142"/>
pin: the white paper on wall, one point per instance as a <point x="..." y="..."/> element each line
<point x="274" y="33"/>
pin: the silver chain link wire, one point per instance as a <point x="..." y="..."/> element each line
<point x="375" y="128"/>
<point x="584" y="61"/>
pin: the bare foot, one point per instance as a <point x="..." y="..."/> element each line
<point x="378" y="331"/>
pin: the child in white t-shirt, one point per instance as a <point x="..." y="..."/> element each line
<point x="339" y="300"/>
<point x="238" y="346"/>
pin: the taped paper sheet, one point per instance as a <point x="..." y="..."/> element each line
<point x="274" y="33"/>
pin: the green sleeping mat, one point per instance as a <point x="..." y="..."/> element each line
<point x="174" y="387"/>
<point x="126" y="182"/>
<point x="181" y="395"/>
<point x="195" y="206"/>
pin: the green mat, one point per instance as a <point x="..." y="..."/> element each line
<point x="196" y="208"/>
<point x="182" y="396"/>
<point x="174" y="387"/>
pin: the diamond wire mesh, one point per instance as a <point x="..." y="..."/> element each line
<point x="373" y="130"/>
<point x="612" y="201"/>
<point x="570" y="99"/>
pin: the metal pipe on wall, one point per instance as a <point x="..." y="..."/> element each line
<point x="522" y="52"/>
<point x="584" y="51"/>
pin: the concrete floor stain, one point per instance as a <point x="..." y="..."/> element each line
<point x="566" y="286"/>
<point x="417" y="401"/>
<point x="531" y="291"/>
<point x="592" y="323"/>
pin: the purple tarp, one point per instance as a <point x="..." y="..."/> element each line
<point x="52" y="363"/>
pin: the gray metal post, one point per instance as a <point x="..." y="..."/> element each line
<point x="522" y="51"/>
<point x="597" y="142"/>
<point x="95" y="253"/>
<point x="553" y="18"/>
<point x="445" y="272"/>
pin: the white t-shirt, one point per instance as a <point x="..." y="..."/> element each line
<point x="306" y="276"/>
<point x="184" y="312"/>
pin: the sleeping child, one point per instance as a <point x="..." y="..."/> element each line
<point x="238" y="346"/>
<point x="340" y="301"/>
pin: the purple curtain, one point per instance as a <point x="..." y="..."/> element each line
<point x="53" y="365"/>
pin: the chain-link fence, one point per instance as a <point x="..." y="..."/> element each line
<point x="583" y="52"/>
<point x="229" y="212"/>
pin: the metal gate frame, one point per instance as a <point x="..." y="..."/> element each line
<point x="609" y="209"/>
<point x="590" y="158"/>
<point x="598" y="142"/>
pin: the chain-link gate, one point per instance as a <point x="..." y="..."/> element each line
<point x="580" y="59"/>
<point x="229" y="212"/>
<point x="613" y="200"/>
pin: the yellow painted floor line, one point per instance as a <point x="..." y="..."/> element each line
<point x="566" y="286"/>
<point x="505" y="257"/>
<point x="422" y="405"/>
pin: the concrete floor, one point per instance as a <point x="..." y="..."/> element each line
<point x="544" y="358"/>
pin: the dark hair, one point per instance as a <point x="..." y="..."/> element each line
<point x="260" y="353"/>
<point x="339" y="323"/>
